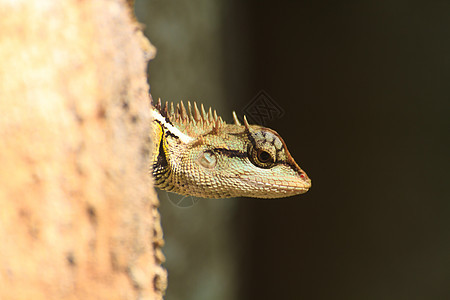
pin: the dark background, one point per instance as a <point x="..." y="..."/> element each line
<point x="365" y="86"/>
<point x="365" y="89"/>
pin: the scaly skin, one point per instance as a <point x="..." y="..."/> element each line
<point x="198" y="154"/>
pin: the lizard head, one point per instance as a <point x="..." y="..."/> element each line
<point x="219" y="160"/>
<point x="250" y="161"/>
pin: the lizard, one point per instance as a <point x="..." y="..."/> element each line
<point x="196" y="153"/>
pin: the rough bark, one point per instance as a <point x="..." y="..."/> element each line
<point x="78" y="216"/>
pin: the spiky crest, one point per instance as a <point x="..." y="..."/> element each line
<point x="192" y="120"/>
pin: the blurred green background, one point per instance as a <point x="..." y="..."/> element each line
<point x="365" y="86"/>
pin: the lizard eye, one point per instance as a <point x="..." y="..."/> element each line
<point x="261" y="158"/>
<point x="264" y="156"/>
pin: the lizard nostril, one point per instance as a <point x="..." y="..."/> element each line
<point x="304" y="176"/>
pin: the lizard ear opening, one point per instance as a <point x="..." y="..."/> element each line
<point x="207" y="159"/>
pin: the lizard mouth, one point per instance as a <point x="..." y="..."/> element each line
<point x="268" y="188"/>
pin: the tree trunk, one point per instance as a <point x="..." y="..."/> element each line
<point x="78" y="217"/>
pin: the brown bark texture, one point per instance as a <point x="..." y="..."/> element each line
<point x="78" y="217"/>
